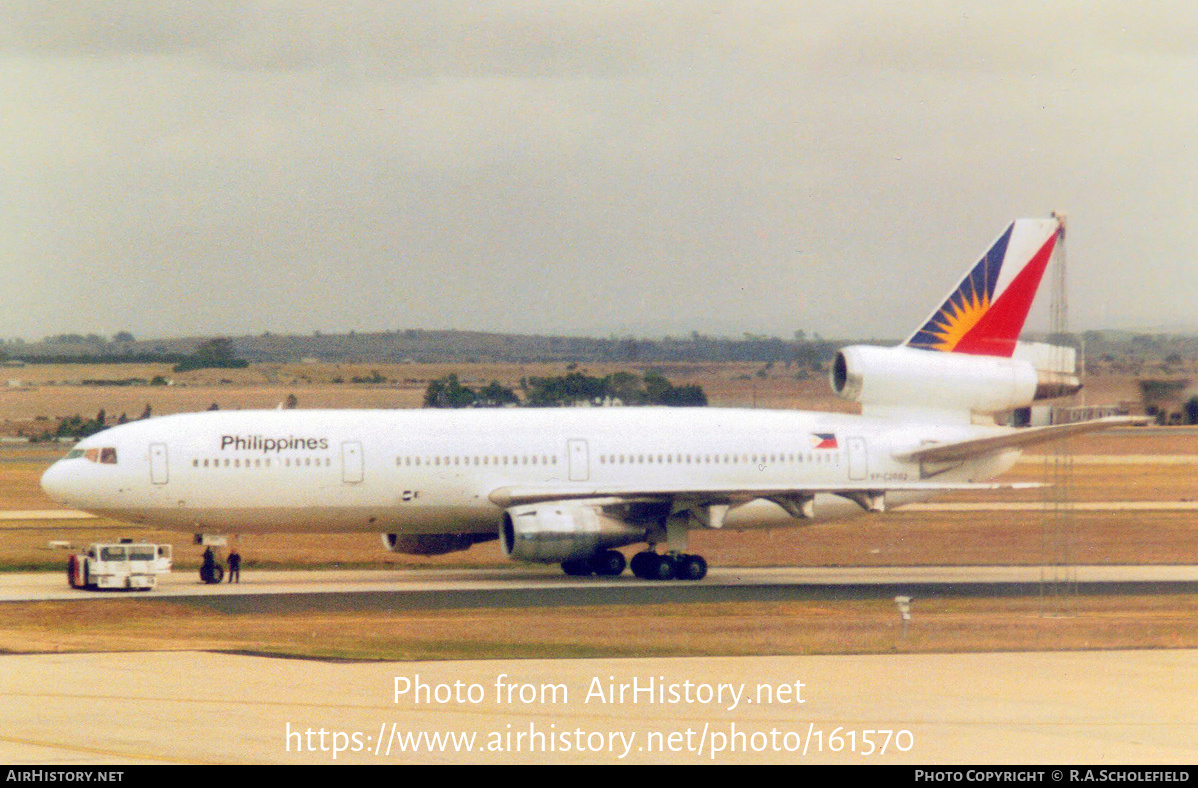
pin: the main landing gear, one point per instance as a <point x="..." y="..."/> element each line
<point x="649" y="565"/>
<point x="608" y="563"/>
<point x="646" y="565"/>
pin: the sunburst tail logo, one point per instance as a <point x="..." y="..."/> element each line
<point x="986" y="312"/>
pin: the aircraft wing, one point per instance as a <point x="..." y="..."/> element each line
<point x="1017" y="439"/>
<point x="715" y="494"/>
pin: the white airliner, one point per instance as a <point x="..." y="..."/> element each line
<point x="571" y="485"/>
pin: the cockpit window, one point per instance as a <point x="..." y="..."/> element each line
<point x="106" y="455"/>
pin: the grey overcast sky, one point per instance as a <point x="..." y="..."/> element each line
<point x="587" y="168"/>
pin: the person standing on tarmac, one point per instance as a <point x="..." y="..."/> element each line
<point x="209" y="571"/>
<point x="234" y="566"/>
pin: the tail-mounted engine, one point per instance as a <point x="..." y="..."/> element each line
<point x="904" y="378"/>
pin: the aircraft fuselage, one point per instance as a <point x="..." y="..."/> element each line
<point x="437" y="471"/>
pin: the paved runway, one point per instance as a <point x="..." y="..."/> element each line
<point x="521" y="587"/>
<point x="1009" y="708"/>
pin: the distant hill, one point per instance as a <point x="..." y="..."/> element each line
<point x="1114" y="348"/>
<point x="419" y="346"/>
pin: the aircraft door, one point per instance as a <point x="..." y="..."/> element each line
<point x="351" y="462"/>
<point x="580" y="463"/>
<point x="858" y="459"/>
<point x="159" y="469"/>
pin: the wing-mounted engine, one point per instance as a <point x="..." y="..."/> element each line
<point x="432" y="544"/>
<point x="557" y="531"/>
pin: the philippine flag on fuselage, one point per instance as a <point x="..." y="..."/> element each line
<point x="823" y="440"/>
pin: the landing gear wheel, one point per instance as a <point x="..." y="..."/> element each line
<point x="642" y="564"/>
<point x="577" y="567"/>
<point x="690" y="567"/>
<point x="662" y="569"/>
<point x="609" y="563"/>
<point x="211" y="573"/>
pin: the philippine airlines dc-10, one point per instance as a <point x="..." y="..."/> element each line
<point x="570" y="485"/>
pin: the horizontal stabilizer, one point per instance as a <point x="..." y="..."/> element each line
<point x="1017" y="439"/>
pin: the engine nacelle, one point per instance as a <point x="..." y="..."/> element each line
<point x="882" y="378"/>
<point x="432" y="544"/>
<point x="553" y="532"/>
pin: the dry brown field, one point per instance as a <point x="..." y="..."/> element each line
<point x="37" y="396"/>
<point x="729" y="629"/>
<point x="896" y="539"/>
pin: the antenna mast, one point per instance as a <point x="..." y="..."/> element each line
<point x="1058" y="574"/>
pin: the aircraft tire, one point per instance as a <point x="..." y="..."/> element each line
<point x="642" y="564"/>
<point x="690" y="567"/>
<point x="609" y="563"/>
<point x="72" y="570"/>
<point x="211" y="574"/>
<point x="662" y="568"/>
<point x="577" y="567"/>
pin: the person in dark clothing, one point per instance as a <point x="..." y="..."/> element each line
<point x="209" y="571"/>
<point x="234" y="566"/>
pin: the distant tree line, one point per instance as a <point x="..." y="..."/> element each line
<point x="129" y="358"/>
<point x="212" y="354"/>
<point x="564" y="390"/>
<point x="448" y="392"/>
<point x="76" y="427"/>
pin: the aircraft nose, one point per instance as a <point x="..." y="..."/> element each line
<point x="55" y="482"/>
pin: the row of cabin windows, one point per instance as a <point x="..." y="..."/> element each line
<point x="527" y="459"/>
<point x="716" y="459"/>
<point x="263" y="462"/>
<point x="623" y="459"/>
